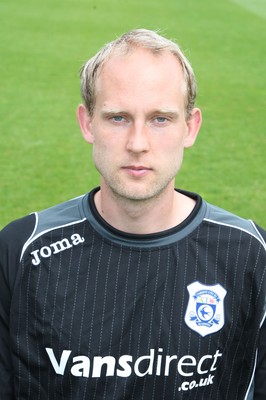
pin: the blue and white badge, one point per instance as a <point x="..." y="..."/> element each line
<point x="205" y="309"/>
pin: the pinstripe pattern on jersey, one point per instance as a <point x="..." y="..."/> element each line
<point x="105" y="297"/>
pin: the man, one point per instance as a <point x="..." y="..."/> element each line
<point x="135" y="290"/>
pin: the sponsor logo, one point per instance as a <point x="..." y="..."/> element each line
<point x="197" y="372"/>
<point x="56" y="247"/>
<point x="205" y="309"/>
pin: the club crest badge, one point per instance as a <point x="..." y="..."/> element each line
<point x="205" y="309"/>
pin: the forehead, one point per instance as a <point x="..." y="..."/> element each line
<point x="141" y="66"/>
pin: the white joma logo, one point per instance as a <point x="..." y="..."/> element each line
<point x="54" y="248"/>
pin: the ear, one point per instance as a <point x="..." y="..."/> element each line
<point x="85" y="123"/>
<point x="193" y="127"/>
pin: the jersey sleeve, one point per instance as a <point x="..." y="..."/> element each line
<point x="12" y="239"/>
<point x="260" y="374"/>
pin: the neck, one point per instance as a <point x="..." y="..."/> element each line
<point x="144" y="217"/>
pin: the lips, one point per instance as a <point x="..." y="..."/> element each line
<point x="137" y="170"/>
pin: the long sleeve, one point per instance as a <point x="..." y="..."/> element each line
<point x="260" y="374"/>
<point x="12" y="239"/>
<point x="6" y="376"/>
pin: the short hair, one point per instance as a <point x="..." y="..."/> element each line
<point x="138" y="38"/>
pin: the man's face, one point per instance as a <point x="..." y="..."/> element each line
<point x="138" y="128"/>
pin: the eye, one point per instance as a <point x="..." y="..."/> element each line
<point x="118" y="118"/>
<point x="161" y="120"/>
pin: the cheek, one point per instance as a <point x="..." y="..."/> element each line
<point x="172" y="154"/>
<point x="103" y="154"/>
<point x="100" y="144"/>
<point x="171" y="146"/>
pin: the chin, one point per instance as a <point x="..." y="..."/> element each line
<point x="138" y="194"/>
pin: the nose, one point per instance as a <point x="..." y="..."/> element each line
<point x="138" y="138"/>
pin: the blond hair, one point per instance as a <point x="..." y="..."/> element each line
<point x="141" y="38"/>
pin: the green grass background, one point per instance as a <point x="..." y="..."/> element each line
<point x="43" y="158"/>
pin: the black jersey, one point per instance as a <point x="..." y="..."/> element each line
<point x="89" y="312"/>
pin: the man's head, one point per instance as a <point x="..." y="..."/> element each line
<point x="130" y="41"/>
<point x="137" y="116"/>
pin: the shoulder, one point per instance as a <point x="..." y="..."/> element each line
<point x="23" y="229"/>
<point x="17" y="232"/>
<point x="218" y="216"/>
<point x="12" y="239"/>
<point x="17" y="235"/>
<point x="68" y="213"/>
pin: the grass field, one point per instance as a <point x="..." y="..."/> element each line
<point x="43" y="158"/>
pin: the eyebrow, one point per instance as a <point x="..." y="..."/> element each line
<point x="169" y="112"/>
<point x="110" y="112"/>
<point x="165" y="112"/>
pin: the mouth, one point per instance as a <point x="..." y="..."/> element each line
<point x="137" y="170"/>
